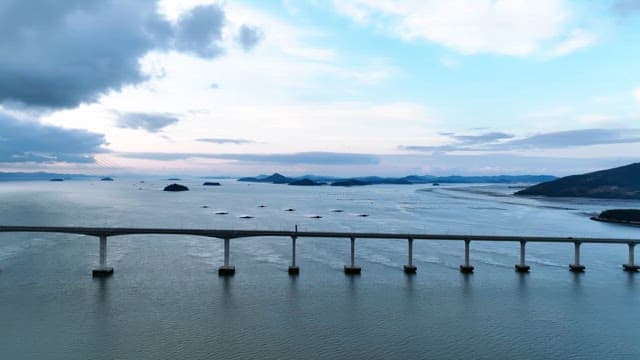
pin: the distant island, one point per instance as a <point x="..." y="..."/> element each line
<point x="315" y="180"/>
<point x="39" y="176"/>
<point x="176" y="187"/>
<point x="622" y="216"/>
<point x="106" y="179"/>
<point x="617" y="183"/>
<point x="211" y="183"/>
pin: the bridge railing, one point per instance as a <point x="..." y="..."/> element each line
<point x="226" y="235"/>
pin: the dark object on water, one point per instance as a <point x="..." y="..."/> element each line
<point x="363" y="215"/>
<point x="176" y="187"/>
<point x="211" y="183"/>
<point x="435" y="184"/>
<point x="56" y="179"/>
<point x="620" y="216"/>
<point x="337" y="210"/>
<point x="205" y="206"/>
<point x="221" y="213"/>
<point x="289" y="209"/>
<point x="314" y="216"/>
<point x="617" y="183"/>
<point x="261" y="206"/>
<point x="174" y="179"/>
<point x="306" y="182"/>
<point x="106" y="179"/>
<point x="245" y="217"/>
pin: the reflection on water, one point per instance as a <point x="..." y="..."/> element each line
<point x="166" y="300"/>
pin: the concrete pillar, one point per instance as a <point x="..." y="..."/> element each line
<point x="352" y="269"/>
<point x="466" y="268"/>
<point x="226" y="269"/>
<point x="522" y="267"/>
<point x="410" y="268"/>
<point x="631" y="266"/>
<point x="103" y="270"/>
<point x="293" y="269"/>
<point x="576" y="267"/>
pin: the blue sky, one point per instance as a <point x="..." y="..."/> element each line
<point x="354" y="87"/>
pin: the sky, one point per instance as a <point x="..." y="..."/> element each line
<point x="342" y="87"/>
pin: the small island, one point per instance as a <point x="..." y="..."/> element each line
<point x="106" y="179"/>
<point x="56" y="179"/>
<point x="620" y="216"/>
<point x="306" y="182"/>
<point x="350" y="182"/>
<point x="211" y="183"/>
<point x="176" y="187"/>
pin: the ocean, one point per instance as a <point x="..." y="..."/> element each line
<point x="166" y="301"/>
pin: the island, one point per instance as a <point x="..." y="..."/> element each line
<point x="618" y="183"/>
<point x="176" y="187"/>
<point x="621" y="216"/>
<point x="311" y="180"/>
<point x="56" y="179"/>
<point x="106" y="179"/>
<point x="211" y="183"/>
<point x="306" y="182"/>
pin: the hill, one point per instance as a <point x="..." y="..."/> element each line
<point x="617" y="183"/>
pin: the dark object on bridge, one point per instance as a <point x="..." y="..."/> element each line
<point x="56" y="179"/>
<point x="410" y="269"/>
<point x="576" y="268"/>
<point x="106" y="179"/>
<point x="466" y="269"/>
<point x="211" y="183"/>
<point x="620" y="216"/>
<point x="226" y="270"/>
<point x="176" y="187"/>
<point x="618" y="183"/>
<point x="103" y="272"/>
<point x="352" y="270"/>
<point x="522" y="268"/>
<point x="306" y="182"/>
<point x="630" y="268"/>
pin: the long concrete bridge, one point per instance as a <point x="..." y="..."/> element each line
<point x="227" y="235"/>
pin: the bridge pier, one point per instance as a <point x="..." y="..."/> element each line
<point x="631" y="266"/>
<point x="226" y="269"/>
<point x="522" y="267"/>
<point x="576" y="267"/>
<point x="293" y="269"/>
<point x="410" y="268"/>
<point x="466" y="268"/>
<point x="352" y="269"/>
<point x="103" y="270"/>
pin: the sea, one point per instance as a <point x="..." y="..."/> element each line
<point x="166" y="300"/>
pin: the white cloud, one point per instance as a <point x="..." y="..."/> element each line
<point x="506" y="27"/>
<point x="636" y="94"/>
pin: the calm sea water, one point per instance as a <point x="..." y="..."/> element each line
<point x="165" y="300"/>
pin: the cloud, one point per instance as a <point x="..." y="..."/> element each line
<point x="636" y="94"/>
<point x="152" y="122"/>
<point x="59" y="54"/>
<point x="308" y="158"/>
<point x="226" y="141"/>
<point x="517" y="28"/>
<point x="199" y="31"/>
<point x="249" y="37"/>
<point x="550" y="140"/>
<point x="30" y="141"/>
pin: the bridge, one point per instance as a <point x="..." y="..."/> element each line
<point x="102" y="233"/>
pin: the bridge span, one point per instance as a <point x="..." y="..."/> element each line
<point x="228" y="234"/>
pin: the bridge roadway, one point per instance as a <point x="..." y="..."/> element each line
<point x="227" y="234"/>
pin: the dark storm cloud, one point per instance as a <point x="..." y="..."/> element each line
<point x="226" y="141"/>
<point x="308" y="158"/>
<point x="28" y="141"/>
<point x="200" y="31"/>
<point x="249" y="37"/>
<point x="59" y="54"/>
<point x="151" y="122"/>
<point x="551" y="140"/>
